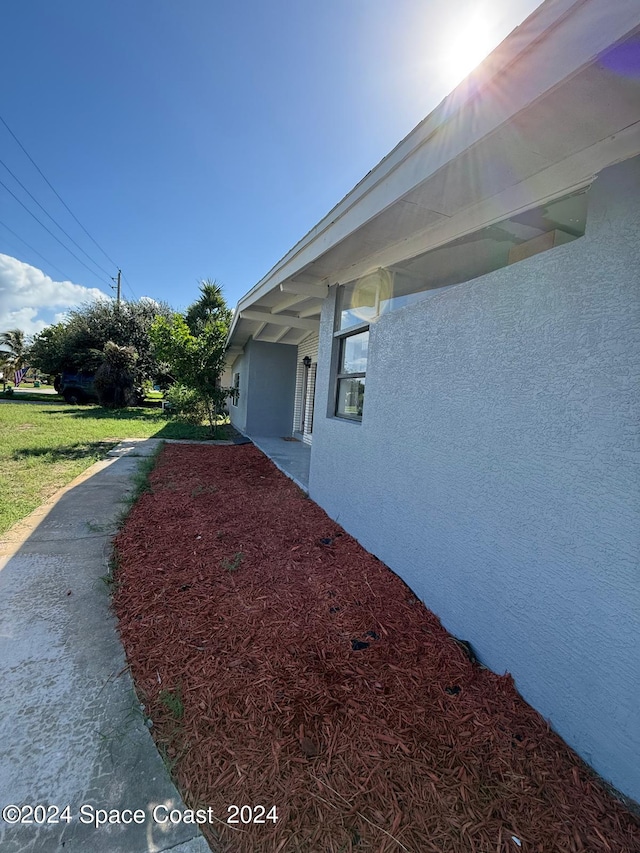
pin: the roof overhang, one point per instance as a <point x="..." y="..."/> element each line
<point x="539" y="118"/>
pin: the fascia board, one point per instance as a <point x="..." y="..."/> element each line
<point x="518" y="41"/>
<point x="571" y="175"/>
<point x="454" y="127"/>
<point x="559" y="39"/>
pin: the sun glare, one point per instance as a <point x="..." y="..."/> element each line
<point x="464" y="47"/>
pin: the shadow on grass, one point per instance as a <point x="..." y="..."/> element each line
<point x="29" y="397"/>
<point x="66" y="452"/>
<point x="151" y="416"/>
<point x="99" y="413"/>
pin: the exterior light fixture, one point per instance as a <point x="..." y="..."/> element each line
<point x="307" y="361"/>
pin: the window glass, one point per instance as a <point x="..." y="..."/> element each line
<point x="358" y="305"/>
<point x="362" y="301"/>
<point x="235" y="391"/>
<point x="493" y="247"/>
<point x="350" y="398"/>
<point x="353" y="356"/>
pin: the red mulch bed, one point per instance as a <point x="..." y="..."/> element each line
<point x="284" y="665"/>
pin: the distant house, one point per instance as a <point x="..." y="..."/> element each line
<point x="458" y="341"/>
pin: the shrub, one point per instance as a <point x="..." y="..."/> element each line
<point x="186" y="404"/>
<point x="194" y="350"/>
<point x="115" y="381"/>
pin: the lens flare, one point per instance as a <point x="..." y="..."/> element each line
<point x="464" y="47"/>
<point x="370" y="295"/>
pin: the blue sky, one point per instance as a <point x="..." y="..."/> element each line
<point x="203" y="138"/>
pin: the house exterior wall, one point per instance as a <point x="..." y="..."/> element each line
<point x="238" y="410"/>
<point x="496" y="470"/>
<point x="267" y="388"/>
<point x="308" y="347"/>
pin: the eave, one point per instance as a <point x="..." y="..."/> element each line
<point x="539" y="118"/>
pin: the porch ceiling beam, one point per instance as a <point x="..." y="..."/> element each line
<point x="311" y="311"/>
<point x="277" y="338"/>
<point x="300" y="338"/>
<point x="280" y="335"/>
<point x="320" y="291"/>
<point x="261" y="328"/>
<point x="287" y="302"/>
<point x="279" y="320"/>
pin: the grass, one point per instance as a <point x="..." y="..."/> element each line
<point x="141" y="484"/>
<point x="110" y="579"/>
<point x="172" y="701"/>
<point x="44" y="447"/>
<point x="32" y="396"/>
<point x="233" y="565"/>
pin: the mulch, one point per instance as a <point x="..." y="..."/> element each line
<point x="282" y="664"/>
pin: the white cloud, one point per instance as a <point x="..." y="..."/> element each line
<point x="31" y="301"/>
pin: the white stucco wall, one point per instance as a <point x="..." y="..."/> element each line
<point x="496" y="470"/>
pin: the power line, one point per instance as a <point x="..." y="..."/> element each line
<point x="55" y="222"/>
<point x="126" y="281"/>
<point x="29" y="246"/>
<point x="49" y="231"/>
<point x="93" y="240"/>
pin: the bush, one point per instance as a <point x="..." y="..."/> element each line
<point x="185" y="404"/>
<point x="115" y="381"/>
<point x="194" y="350"/>
<point x="9" y="392"/>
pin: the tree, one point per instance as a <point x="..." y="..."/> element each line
<point x="210" y="305"/>
<point x="115" y="380"/>
<point x="78" y="344"/>
<point x="14" y="350"/>
<point x="52" y="350"/>
<point x="195" y="353"/>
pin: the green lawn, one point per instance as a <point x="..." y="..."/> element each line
<point x="44" y="446"/>
<point x="32" y="395"/>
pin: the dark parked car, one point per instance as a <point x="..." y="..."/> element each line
<point x="76" y="388"/>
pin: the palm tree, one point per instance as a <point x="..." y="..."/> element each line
<point x="210" y="305"/>
<point x="13" y="349"/>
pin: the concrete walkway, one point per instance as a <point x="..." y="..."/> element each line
<point x="71" y="729"/>
<point x="293" y="458"/>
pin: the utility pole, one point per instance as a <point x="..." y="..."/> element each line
<point x="117" y="288"/>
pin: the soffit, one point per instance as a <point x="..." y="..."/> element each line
<point x="592" y="105"/>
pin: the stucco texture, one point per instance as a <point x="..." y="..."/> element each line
<point x="496" y="469"/>
<point x="267" y="389"/>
